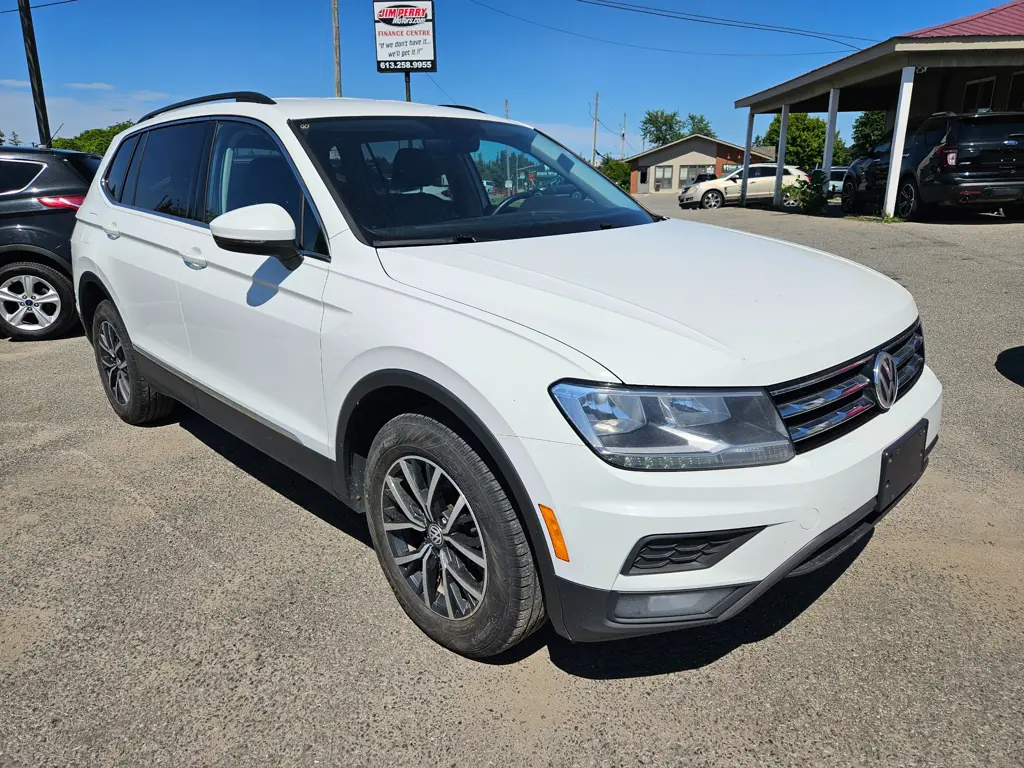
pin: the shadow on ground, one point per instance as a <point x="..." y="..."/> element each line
<point x="638" y="657"/>
<point x="1010" y="363"/>
<point x="276" y="476"/>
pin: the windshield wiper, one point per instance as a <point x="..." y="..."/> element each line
<point x="448" y="240"/>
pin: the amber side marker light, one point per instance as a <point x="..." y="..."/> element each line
<point x="554" y="532"/>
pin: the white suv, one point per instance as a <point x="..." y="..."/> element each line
<point x="557" y="405"/>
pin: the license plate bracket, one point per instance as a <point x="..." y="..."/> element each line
<point x="903" y="463"/>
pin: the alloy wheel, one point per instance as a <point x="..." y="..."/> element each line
<point x="29" y="303"/>
<point x="433" y="537"/>
<point x="907" y="198"/>
<point x="114" y="363"/>
<point x="713" y="200"/>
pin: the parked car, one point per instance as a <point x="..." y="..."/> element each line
<point x="835" y="180"/>
<point x="531" y="433"/>
<point x="970" y="161"/>
<point x="40" y="191"/>
<point x="717" y="192"/>
<point x="704" y="177"/>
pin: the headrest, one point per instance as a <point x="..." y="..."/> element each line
<point x="413" y="168"/>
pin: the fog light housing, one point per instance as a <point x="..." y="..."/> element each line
<point x="670" y="605"/>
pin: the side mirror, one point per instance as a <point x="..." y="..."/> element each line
<point x="265" y="229"/>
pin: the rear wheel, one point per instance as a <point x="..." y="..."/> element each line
<point x="37" y="302"/>
<point x="448" y="539"/>
<point x="908" y="200"/>
<point x="849" y="200"/>
<point x="712" y="199"/>
<point x="129" y="393"/>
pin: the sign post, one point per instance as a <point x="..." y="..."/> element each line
<point x="404" y="33"/>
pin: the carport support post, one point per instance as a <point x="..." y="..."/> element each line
<point x="746" y="157"/>
<point x="830" y="134"/>
<point x="781" y="159"/>
<point x="899" y="135"/>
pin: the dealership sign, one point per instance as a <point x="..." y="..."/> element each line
<point x="405" y="36"/>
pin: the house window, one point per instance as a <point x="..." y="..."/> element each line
<point x="978" y="94"/>
<point x="663" y="176"/>
<point x="1015" y="100"/>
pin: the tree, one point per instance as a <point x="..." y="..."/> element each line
<point x="616" y="170"/>
<point x="698" y="124"/>
<point x="805" y="141"/>
<point x="15" y="141"/>
<point x="94" y="140"/>
<point x="1" y="138"/>
<point x="868" y="130"/>
<point x="660" y="127"/>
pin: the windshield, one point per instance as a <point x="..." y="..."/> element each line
<point x="424" y="180"/>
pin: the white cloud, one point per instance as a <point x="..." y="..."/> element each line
<point x="149" y="95"/>
<point x="90" y="86"/>
<point x="18" y="113"/>
<point x="14" y="83"/>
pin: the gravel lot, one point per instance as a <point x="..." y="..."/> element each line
<point x="169" y="596"/>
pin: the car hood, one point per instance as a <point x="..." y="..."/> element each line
<point x="672" y="302"/>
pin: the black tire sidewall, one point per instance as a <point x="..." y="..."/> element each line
<point x="133" y="411"/>
<point x="850" y="207"/>
<point x="61" y="284"/>
<point x="415" y="435"/>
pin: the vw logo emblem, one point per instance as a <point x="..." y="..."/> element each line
<point x="886" y="380"/>
<point x="1010" y="142"/>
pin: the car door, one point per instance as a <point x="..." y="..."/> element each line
<point x="762" y="183"/>
<point x="732" y="186"/>
<point x="877" y="171"/>
<point x="253" y="322"/>
<point x="146" y="224"/>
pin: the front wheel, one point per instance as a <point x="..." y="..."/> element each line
<point x="448" y="539"/>
<point x="712" y="199"/>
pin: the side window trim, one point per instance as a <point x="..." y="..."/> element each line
<point x="307" y="197"/>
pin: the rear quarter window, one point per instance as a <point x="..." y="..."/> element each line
<point x="16" y="175"/>
<point x="170" y="166"/>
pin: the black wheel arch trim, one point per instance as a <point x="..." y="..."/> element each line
<point x="439" y="393"/>
<point x="46" y="256"/>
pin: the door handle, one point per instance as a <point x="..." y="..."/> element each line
<point x="193" y="258"/>
<point x="112" y="231"/>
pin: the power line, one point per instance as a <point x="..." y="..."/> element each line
<point x="716" y="21"/>
<point x="42" y="5"/>
<point x="617" y="134"/>
<point x="442" y="90"/>
<point x="646" y="47"/>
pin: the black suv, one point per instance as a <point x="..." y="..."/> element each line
<point x="40" y="192"/>
<point x="972" y="161"/>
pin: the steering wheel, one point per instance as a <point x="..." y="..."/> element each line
<point x="503" y="206"/>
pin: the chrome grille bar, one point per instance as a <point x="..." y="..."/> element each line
<point x="831" y="420"/>
<point x="908" y="350"/>
<point x="825" y="397"/>
<point x="909" y="371"/>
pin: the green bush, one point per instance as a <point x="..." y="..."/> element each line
<point x="809" y="196"/>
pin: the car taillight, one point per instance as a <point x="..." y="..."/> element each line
<point x="947" y="156"/>
<point x="73" y="202"/>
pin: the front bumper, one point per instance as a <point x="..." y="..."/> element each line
<point x="824" y="495"/>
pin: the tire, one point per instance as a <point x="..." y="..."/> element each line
<point x="908" y="200"/>
<point x="712" y="199"/>
<point x="848" y="198"/>
<point x="37" y="301"/>
<point x="500" y="603"/>
<point x="131" y="396"/>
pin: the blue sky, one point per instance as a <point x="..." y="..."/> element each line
<point x="110" y="60"/>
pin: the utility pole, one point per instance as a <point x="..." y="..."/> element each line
<point x="622" y="149"/>
<point x="593" y="151"/>
<point x="506" y="109"/>
<point x="337" y="48"/>
<point x="408" y="87"/>
<point x="508" y="169"/>
<point x="34" y="75"/>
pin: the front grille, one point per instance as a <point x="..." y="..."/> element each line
<point x="820" y="408"/>
<point x="684" y="551"/>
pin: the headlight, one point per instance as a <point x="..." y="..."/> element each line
<point x="676" y="429"/>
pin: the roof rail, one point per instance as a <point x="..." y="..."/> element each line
<point x="461" y="106"/>
<point x="251" y="97"/>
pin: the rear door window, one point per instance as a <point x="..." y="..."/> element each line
<point x="170" y="167"/>
<point x="16" y="175"/>
<point x="119" y="167"/>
